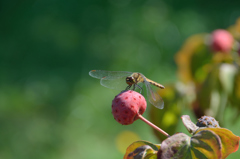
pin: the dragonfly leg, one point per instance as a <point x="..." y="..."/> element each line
<point x="128" y="87"/>
<point x="134" y="87"/>
<point x="141" y="89"/>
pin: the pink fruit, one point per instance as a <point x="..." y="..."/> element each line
<point x="127" y="105"/>
<point x="221" y="40"/>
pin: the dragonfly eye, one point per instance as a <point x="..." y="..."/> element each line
<point x="130" y="80"/>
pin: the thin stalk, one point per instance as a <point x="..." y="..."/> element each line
<point x="152" y="125"/>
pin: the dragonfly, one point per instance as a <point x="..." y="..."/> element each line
<point x="119" y="79"/>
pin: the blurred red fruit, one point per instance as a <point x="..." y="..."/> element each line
<point x="127" y="105"/>
<point x="221" y="41"/>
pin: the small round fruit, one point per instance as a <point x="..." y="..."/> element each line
<point x="127" y="105"/>
<point x="221" y="41"/>
<point x="207" y="121"/>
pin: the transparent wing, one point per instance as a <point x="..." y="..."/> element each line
<point x="153" y="97"/>
<point x="108" y="74"/>
<point x="114" y="83"/>
<point x="111" y="79"/>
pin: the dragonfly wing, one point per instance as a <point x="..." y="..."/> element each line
<point x="111" y="79"/>
<point x="153" y="97"/>
<point x="109" y="74"/>
<point x="158" y="103"/>
<point x="114" y="83"/>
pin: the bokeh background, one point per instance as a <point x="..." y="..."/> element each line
<point x="49" y="106"/>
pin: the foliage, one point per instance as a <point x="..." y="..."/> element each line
<point x="205" y="143"/>
<point x="208" y="78"/>
<point x="208" y="69"/>
<point x="212" y="72"/>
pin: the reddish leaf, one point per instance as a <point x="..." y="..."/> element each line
<point x="203" y="145"/>
<point x="175" y="146"/>
<point x="229" y="141"/>
<point x="141" y="150"/>
<point x="206" y="144"/>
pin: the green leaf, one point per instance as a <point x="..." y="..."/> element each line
<point x="207" y="94"/>
<point x="142" y="150"/>
<point x="235" y="95"/>
<point x="200" y="61"/>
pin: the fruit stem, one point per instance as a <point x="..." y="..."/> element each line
<point x="152" y="125"/>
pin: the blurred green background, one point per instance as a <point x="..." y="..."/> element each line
<point x="49" y="106"/>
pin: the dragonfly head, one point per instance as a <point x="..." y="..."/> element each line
<point x="130" y="80"/>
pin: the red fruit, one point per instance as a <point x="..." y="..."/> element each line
<point x="127" y="105"/>
<point x="221" y="40"/>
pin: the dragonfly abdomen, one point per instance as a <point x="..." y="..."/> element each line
<point x="155" y="84"/>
